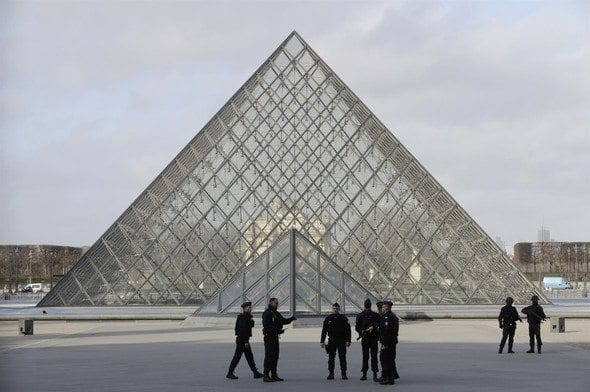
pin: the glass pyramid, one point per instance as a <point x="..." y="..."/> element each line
<point x="295" y="271"/>
<point x="293" y="148"/>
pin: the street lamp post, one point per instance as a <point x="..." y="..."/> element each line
<point x="30" y="265"/>
<point x="52" y="261"/>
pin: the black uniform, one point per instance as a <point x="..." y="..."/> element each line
<point x="337" y="328"/>
<point x="388" y="331"/>
<point x="243" y="329"/>
<point x="507" y="320"/>
<point x="369" y="340"/>
<point x="272" y="327"/>
<point x="535" y="315"/>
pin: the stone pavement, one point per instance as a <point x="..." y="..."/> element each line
<point x="437" y="355"/>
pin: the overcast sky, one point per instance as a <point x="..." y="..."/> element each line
<point x="493" y="98"/>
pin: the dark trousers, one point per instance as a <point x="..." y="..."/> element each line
<point x="508" y="333"/>
<point x="370" y="344"/>
<point x="388" y="367"/>
<point x="242" y="348"/>
<point x="332" y="348"/>
<point x="535" y="331"/>
<point x="271" y="354"/>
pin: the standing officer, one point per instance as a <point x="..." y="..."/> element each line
<point x="272" y="327"/>
<point x="337" y="328"/>
<point x="388" y="331"/>
<point x="507" y="319"/>
<point x="367" y="323"/>
<point x="534" y="316"/>
<point x="243" y="329"/>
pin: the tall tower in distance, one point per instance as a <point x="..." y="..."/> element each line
<point x="543" y="234"/>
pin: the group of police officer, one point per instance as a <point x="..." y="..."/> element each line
<point x="509" y="316"/>
<point x="374" y="328"/>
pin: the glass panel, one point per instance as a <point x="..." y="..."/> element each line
<point x="306" y="295"/>
<point x="329" y="293"/>
<point x="255" y="271"/>
<point x="306" y="272"/>
<point x="278" y="273"/>
<point x="354" y="294"/>
<point x="281" y="292"/>
<point x="231" y="292"/>
<point x="279" y="252"/>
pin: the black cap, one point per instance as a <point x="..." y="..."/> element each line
<point x="335" y="305"/>
<point x="388" y="303"/>
<point x="246" y="304"/>
<point x="367" y="303"/>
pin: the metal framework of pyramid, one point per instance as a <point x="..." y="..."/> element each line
<point x="296" y="272"/>
<point x="293" y="148"/>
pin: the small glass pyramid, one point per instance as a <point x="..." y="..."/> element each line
<point x="304" y="279"/>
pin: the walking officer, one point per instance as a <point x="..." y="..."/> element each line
<point x="337" y="328"/>
<point x="367" y="326"/>
<point x="243" y="329"/>
<point x="272" y="327"/>
<point x="507" y="319"/>
<point x="388" y="332"/>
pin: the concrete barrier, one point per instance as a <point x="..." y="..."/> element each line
<point x="25" y="326"/>
<point x="557" y="324"/>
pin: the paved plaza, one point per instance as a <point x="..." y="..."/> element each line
<point x="436" y="355"/>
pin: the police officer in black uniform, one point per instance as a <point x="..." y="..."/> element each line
<point x="379" y="305"/>
<point x="507" y="320"/>
<point x="243" y="329"/>
<point x="367" y="326"/>
<point x="388" y="332"/>
<point x="534" y="316"/>
<point x="272" y="327"/>
<point x="337" y="328"/>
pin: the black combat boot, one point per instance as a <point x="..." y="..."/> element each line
<point x="330" y="376"/>
<point x="531" y="350"/>
<point x="231" y="376"/>
<point x="539" y="349"/>
<point x="387" y="381"/>
<point x="500" y="350"/>
<point x="257" y="374"/>
<point x="375" y="377"/>
<point x="276" y="377"/>
<point x="267" y="378"/>
<point x="364" y="377"/>
<point x="510" y="350"/>
<point x="344" y="376"/>
<point x="378" y="379"/>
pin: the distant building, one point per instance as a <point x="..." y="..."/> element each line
<point x="543" y="235"/>
<point x="569" y="259"/>
<point x="500" y="242"/>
